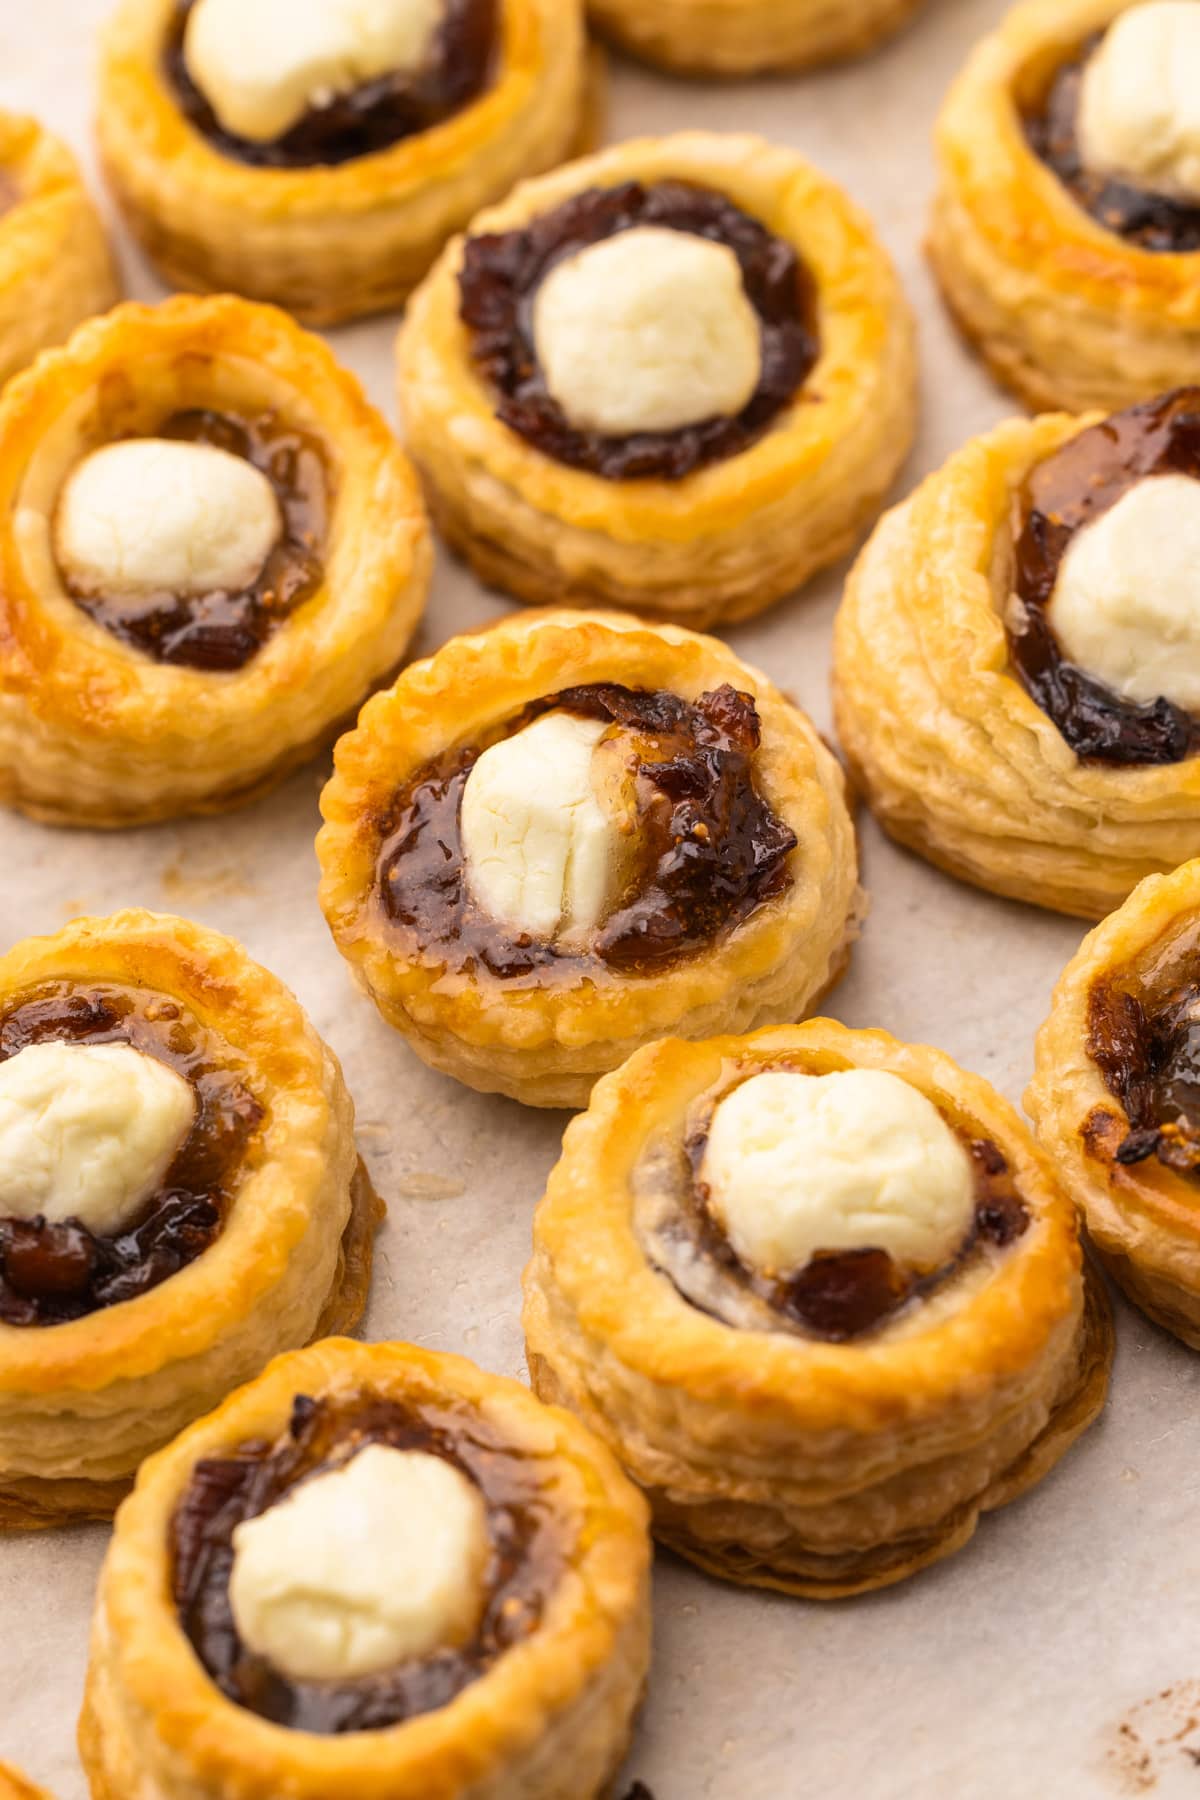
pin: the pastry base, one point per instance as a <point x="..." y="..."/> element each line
<point x="36" y="1505"/>
<point x="750" y="37"/>
<point x="811" y="1576"/>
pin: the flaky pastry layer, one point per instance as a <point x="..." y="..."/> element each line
<point x="546" y="1045"/>
<point x="748" y="37"/>
<point x="957" y="760"/>
<point x="1066" y="313"/>
<point x="818" y="1468"/>
<point x="550" y="1720"/>
<point x="82" y="1403"/>
<point x="93" y="732"/>
<point x="14" y="1786"/>
<point x="733" y="537"/>
<point x="330" y="243"/>
<point x="1142" y="1217"/>
<point x="56" y="268"/>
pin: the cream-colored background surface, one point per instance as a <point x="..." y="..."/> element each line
<point x="1058" y="1655"/>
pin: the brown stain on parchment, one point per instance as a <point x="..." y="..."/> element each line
<point x="185" y="886"/>
<point x="1155" y="1738"/>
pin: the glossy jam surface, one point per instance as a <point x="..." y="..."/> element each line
<point x="50" y="1273"/>
<point x="1145" y="1040"/>
<point x="1067" y="491"/>
<point x="368" y="119"/>
<point x="527" y="1558"/>
<point x="224" y="631"/>
<point x="500" y="278"/>
<point x="844" y="1296"/>
<point x="1150" y="221"/>
<point x="711" y="851"/>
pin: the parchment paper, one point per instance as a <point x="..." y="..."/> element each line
<point x="1058" y="1655"/>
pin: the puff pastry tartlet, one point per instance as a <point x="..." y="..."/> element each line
<point x="482" y="1633"/>
<point x="563" y="837"/>
<point x="748" y="37"/>
<point x="180" y="1198"/>
<point x="1066" y="229"/>
<point x="319" y="153"/>
<point x="677" y="376"/>
<point x="1017" y="660"/>
<point x="211" y="549"/>
<point x="1115" y="1099"/>
<point x="820" y="1292"/>
<point x="56" y="268"/>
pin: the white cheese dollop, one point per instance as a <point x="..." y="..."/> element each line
<point x="1139" y="106"/>
<point x="543" y="853"/>
<point x="87" y="1132"/>
<point x="649" y="330"/>
<point x="856" y="1160"/>
<point x="151" y="516"/>
<point x="362" y="1568"/>
<point x="1126" y="605"/>
<point x="262" y="64"/>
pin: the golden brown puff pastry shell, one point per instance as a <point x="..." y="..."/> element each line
<point x="784" y="1461"/>
<point x="733" y="536"/>
<point x="56" y="268"/>
<point x="748" y="37"/>
<point x="81" y="1403"/>
<point x="1141" y="1214"/>
<point x="331" y="242"/>
<point x="957" y="759"/>
<point x="1066" y="313"/>
<point x="546" y="1043"/>
<point x="13" y="1786"/>
<point x="95" y="732"/>
<point x="549" y="1720"/>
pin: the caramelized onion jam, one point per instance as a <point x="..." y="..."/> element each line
<point x="369" y="118"/>
<point x="224" y="631"/>
<point x="1150" y="221"/>
<point x="51" y="1273"/>
<point x="839" y="1297"/>
<point x="502" y="273"/>
<point x="1061" y="495"/>
<point x="527" y="1558"/>
<point x="711" y="850"/>
<point x="1144" y="1037"/>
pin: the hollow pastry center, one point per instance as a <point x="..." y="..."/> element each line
<point x="799" y="1166"/>
<point x="87" y="1132"/>
<point x="608" y="824"/>
<point x="362" y="1567"/>
<point x="1139" y="102"/>
<point x="263" y="64"/>
<point x="545" y="844"/>
<point x="650" y="330"/>
<point x="124" y="1128"/>
<point x="1126" y="605"/>
<point x="149" y="515"/>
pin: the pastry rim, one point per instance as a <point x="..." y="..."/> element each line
<point x="500" y="1715"/>
<point x="523" y="657"/>
<point x="584" y="1228"/>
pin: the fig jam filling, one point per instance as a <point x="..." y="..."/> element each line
<point x="1067" y="491"/>
<point x="527" y="1555"/>
<point x="223" y="631"/>
<point x="50" y="1273"/>
<point x="1151" y="221"/>
<point x="369" y="118"/>
<point x="837" y="1297"/>
<point x="711" y="850"/>
<point x="500" y="277"/>
<point x="1146" y="1045"/>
